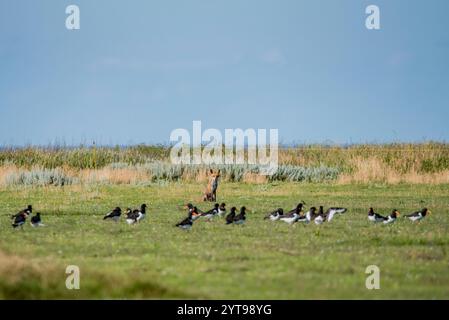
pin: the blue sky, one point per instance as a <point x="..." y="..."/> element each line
<point x="136" y="70"/>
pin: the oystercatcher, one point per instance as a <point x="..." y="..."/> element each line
<point x="418" y="215"/>
<point x="114" y="214"/>
<point x="19" y="219"/>
<point x="392" y="217"/>
<point x="299" y="207"/>
<point x="230" y="217"/>
<point x="321" y="216"/>
<point x="275" y="215"/>
<point x="310" y="215"/>
<point x="36" y="220"/>
<point x="293" y="217"/>
<point x="222" y="209"/>
<point x="331" y="212"/>
<point x="196" y="214"/>
<point x="131" y="216"/>
<point x="28" y="210"/>
<point x="187" y="223"/>
<point x="375" y="217"/>
<point x="141" y="213"/>
<point x="211" y="213"/>
<point x="240" y="218"/>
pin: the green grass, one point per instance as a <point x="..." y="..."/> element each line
<point x="260" y="260"/>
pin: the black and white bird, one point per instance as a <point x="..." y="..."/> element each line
<point x="141" y="212"/>
<point x="19" y="219"/>
<point x="114" y="214"/>
<point x="310" y="215"/>
<point x="299" y="207"/>
<point x="392" y="217"/>
<point x="211" y="213"/>
<point x="230" y="217"/>
<point x="321" y="216"/>
<point x="187" y="223"/>
<point x="36" y="220"/>
<point x="375" y="217"/>
<point x="418" y="215"/>
<point x="131" y="216"/>
<point x="241" y="217"/>
<point x="222" y="210"/>
<point x="275" y="215"/>
<point x="194" y="211"/>
<point x="28" y="210"/>
<point x="331" y="212"/>
<point x="294" y="216"/>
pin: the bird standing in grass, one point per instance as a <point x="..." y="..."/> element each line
<point x="230" y="217"/>
<point x="36" y="220"/>
<point x="194" y="211"/>
<point x="187" y="223"/>
<point x="392" y="217"/>
<point x="20" y="217"/>
<point x="241" y="217"/>
<point x="114" y="214"/>
<point x="19" y="220"/>
<point x="28" y="210"/>
<point x="418" y="215"/>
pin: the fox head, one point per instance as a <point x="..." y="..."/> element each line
<point x="213" y="178"/>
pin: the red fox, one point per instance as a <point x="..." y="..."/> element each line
<point x="211" y="190"/>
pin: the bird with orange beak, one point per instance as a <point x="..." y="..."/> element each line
<point x="418" y="215"/>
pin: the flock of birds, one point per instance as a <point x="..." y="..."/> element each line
<point x="295" y="215"/>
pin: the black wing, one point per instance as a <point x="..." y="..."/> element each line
<point x="414" y="214"/>
<point x="184" y="222"/>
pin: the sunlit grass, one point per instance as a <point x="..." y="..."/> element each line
<point x="261" y="259"/>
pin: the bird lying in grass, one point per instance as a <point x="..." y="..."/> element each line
<point x="36" y="220"/>
<point x="211" y="213"/>
<point x="141" y="213"/>
<point x="418" y="215"/>
<point x="114" y="214"/>
<point x="131" y="216"/>
<point x="392" y="217"/>
<point x="294" y="216"/>
<point x="241" y="217"/>
<point x="331" y="212"/>
<point x="275" y="215"/>
<point x="375" y="217"/>
<point x="230" y="217"/>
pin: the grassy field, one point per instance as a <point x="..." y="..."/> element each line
<point x="260" y="260"/>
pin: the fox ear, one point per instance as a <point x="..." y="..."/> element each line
<point x="210" y="170"/>
<point x="218" y="172"/>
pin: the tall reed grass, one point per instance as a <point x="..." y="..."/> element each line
<point x="389" y="163"/>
